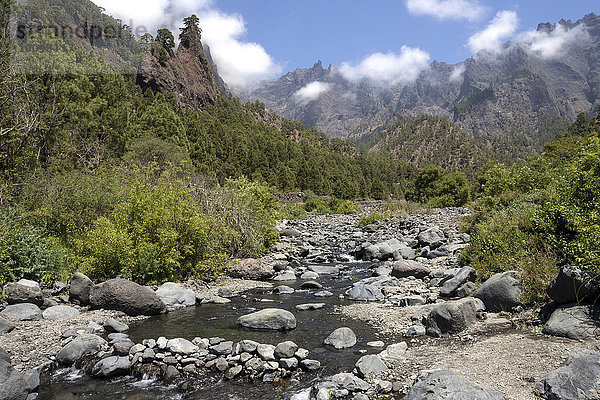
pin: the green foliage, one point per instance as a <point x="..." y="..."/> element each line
<point x="165" y="38"/>
<point x="191" y="28"/>
<point x="537" y="215"/>
<point x="27" y="252"/>
<point x="157" y="233"/>
<point x="293" y="211"/>
<point x="333" y="206"/>
<point x="370" y="219"/>
<point x="439" y="188"/>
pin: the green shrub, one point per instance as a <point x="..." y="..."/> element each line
<point x="27" y="252"/>
<point x="370" y="219"/>
<point x="158" y="233"/>
<point x="293" y="211"/>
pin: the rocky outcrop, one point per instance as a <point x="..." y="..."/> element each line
<point x="501" y="292"/>
<point x="270" y="318"/>
<point x="174" y="295"/>
<point x="251" y="268"/>
<point x="574" y="285"/>
<point x="574" y="321"/>
<point x="79" y="289"/>
<point x="22" y="312"/>
<point x="443" y="385"/>
<point x="341" y="338"/>
<point x="79" y="347"/>
<point x="24" y="291"/>
<point x="187" y="73"/>
<point x="453" y="316"/>
<point x="577" y="379"/>
<point x="129" y="297"/>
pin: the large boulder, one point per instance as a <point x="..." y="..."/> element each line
<point x="111" y="366"/>
<point x="446" y="385"/>
<point x="60" y="312"/>
<point x="6" y="326"/>
<point x="453" y="316"/>
<point x="80" y="346"/>
<point x="370" y="366"/>
<point x="174" y="295"/>
<point x="384" y="250"/>
<point x="500" y="292"/>
<point x="407" y="268"/>
<point x="577" y="379"/>
<point x="129" y="297"/>
<point x="269" y="318"/>
<point x="79" y="289"/>
<point x="460" y="277"/>
<point x="364" y="292"/>
<point x="13" y="385"/>
<point x="574" y="285"/>
<point x="341" y="338"/>
<point x="22" y="312"/>
<point x="251" y="269"/>
<point x="574" y="321"/>
<point x="433" y="238"/>
<point x="24" y="291"/>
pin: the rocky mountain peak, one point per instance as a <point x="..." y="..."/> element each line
<point x="186" y="72"/>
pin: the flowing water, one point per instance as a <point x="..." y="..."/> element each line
<point x="214" y="320"/>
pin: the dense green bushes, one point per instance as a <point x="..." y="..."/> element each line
<point x="437" y="187"/>
<point x="537" y="215"/>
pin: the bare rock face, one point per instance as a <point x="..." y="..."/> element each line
<point x="126" y="296"/>
<point x="187" y="73"/>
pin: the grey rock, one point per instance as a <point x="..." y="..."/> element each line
<point x="574" y="285"/>
<point x="415" y="331"/>
<point x="122" y="347"/>
<point x="12" y="383"/>
<point x="309" y="275"/>
<point x="341" y="338"/>
<point x="174" y="295"/>
<point x="310" y="306"/>
<point x="406" y="268"/>
<point x="574" y="321"/>
<point x="350" y="382"/>
<point x="79" y="289"/>
<point x="323" y="293"/>
<point x="283" y="289"/>
<point x="285" y="349"/>
<point x="422" y="313"/>
<point x="60" y="312"/>
<point x="6" y="326"/>
<point x="4" y="355"/>
<point x="117" y="337"/>
<point x="324" y="269"/>
<point x="225" y="293"/>
<point x="24" y="292"/>
<point x="221" y="364"/>
<point x="311" y="285"/>
<point x="433" y="238"/>
<point x="32" y="379"/>
<point x="112" y="325"/>
<point x="22" y="312"/>
<point x="453" y="316"/>
<point x="79" y="347"/>
<point x="465" y="290"/>
<point x="111" y="366"/>
<point x="223" y="348"/>
<point x="251" y="269"/>
<point x="310" y="365"/>
<point x="442" y="385"/>
<point x="289" y="363"/>
<point x="129" y="297"/>
<point x="266" y="351"/>
<point x="248" y="346"/>
<point x="286" y="276"/>
<point x="408" y="301"/>
<point x="181" y="346"/>
<point x="170" y="374"/>
<point x="462" y="275"/>
<point x="365" y="292"/>
<point x="137" y="348"/>
<point x="370" y="366"/>
<point x="501" y="292"/>
<point x="233" y="372"/>
<point x="270" y="318"/>
<point x="394" y="353"/>
<point x="577" y="379"/>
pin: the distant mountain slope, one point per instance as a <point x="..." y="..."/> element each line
<point x="519" y="98"/>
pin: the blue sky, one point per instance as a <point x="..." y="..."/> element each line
<point x="257" y="39"/>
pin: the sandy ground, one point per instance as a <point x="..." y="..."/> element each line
<point x="492" y="353"/>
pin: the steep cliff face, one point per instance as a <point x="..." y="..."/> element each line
<point x="186" y="72"/>
<point x="519" y="95"/>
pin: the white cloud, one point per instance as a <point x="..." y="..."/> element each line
<point x="389" y="68"/>
<point x="490" y="40"/>
<point x="469" y="10"/>
<point x="550" y="44"/>
<point x="457" y="73"/>
<point x="241" y="64"/>
<point x="311" y="92"/>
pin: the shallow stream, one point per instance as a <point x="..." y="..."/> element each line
<point x="219" y="320"/>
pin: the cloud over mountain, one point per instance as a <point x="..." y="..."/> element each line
<point x="390" y="67"/>
<point x="311" y="92"/>
<point x="550" y="44"/>
<point x="490" y="39"/>
<point x="469" y="10"/>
